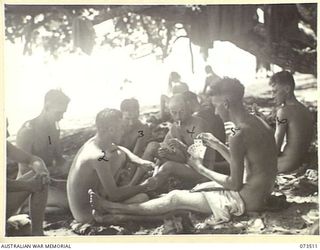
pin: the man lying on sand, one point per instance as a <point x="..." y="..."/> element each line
<point x="294" y="127"/>
<point x="252" y="149"/>
<point x="33" y="184"/>
<point x="136" y="134"/>
<point x="41" y="137"/>
<point x="96" y="166"/>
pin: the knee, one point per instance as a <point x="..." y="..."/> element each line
<point x="286" y="165"/>
<point x="142" y="197"/>
<point x="167" y="167"/>
<point x="153" y="146"/>
<point x="174" y="197"/>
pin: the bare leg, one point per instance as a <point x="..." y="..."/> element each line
<point x="179" y="170"/>
<point x="173" y="201"/>
<point x="286" y="165"/>
<point x="139" y="198"/>
<point x="57" y="200"/>
<point x="37" y="204"/>
<point x="16" y="199"/>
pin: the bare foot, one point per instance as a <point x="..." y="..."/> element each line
<point x="95" y="201"/>
<point x="101" y="218"/>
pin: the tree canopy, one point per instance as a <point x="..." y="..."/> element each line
<point x="282" y="34"/>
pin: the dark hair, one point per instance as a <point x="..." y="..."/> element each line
<point x="282" y="78"/>
<point x="108" y="117"/>
<point x="189" y="96"/>
<point x="208" y="68"/>
<point x="230" y="87"/>
<point x="55" y="96"/>
<point x="174" y="76"/>
<point x="129" y="104"/>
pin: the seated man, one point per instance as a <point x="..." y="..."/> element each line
<point x="175" y="86"/>
<point x="206" y="111"/>
<point x="180" y="136"/>
<point x="33" y="184"/>
<point x="41" y="137"/>
<point x="294" y="122"/>
<point x="136" y="134"/>
<point x="211" y="79"/>
<point x="252" y="149"/>
<point x="96" y="165"/>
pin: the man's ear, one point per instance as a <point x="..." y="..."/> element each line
<point x="287" y="88"/>
<point x="226" y="104"/>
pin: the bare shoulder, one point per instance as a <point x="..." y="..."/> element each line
<point x="284" y="111"/>
<point x="89" y="152"/>
<point x="238" y="134"/>
<point x="26" y="130"/>
<point x="200" y="122"/>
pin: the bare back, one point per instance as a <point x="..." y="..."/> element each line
<point x="260" y="162"/>
<point x="83" y="176"/>
<point x="299" y="133"/>
<point x="37" y="138"/>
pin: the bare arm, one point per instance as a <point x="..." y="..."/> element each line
<point x="235" y="180"/>
<point x="214" y="143"/>
<point x="205" y="86"/>
<point x="281" y="128"/>
<point x="35" y="184"/>
<point x="136" y="159"/>
<point x="17" y="185"/>
<point x="142" y="141"/>
<point x="33" y="162"/>
<point x="114" y="192"/>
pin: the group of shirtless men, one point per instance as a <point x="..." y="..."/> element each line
<point x="241" y="170"/>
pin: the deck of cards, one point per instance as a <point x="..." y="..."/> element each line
<point x="197" y="149"/>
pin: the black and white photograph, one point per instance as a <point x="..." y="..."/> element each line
<point x="160" y="119"/>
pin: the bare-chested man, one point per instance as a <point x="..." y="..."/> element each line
<point x="211" y="78"/>
<point x="96" y="165"/>
<point x="136" y="134"/>
<point x="206" y="111"/>
<point x="294" y="127"/>
<point x="252" y="149"/>
<point x="41" y="137"/>
<point x="175" y="86"/>
<point x="33" y="184"/>
<point x="180" y="136"/>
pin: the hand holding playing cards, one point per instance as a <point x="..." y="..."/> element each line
<point x="209" y="140"/>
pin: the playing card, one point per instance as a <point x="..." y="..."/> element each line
<point x="197" y="150"/>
